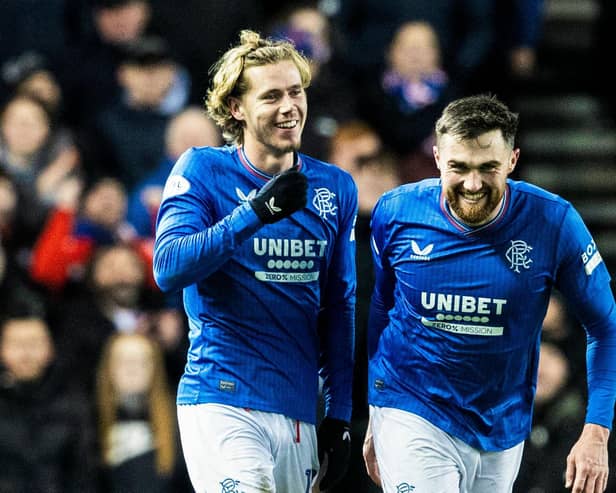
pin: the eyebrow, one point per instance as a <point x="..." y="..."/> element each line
<point x="278" y="89"/>
<point x="460" y="164"/>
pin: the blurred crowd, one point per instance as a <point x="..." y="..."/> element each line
<point x="98" y="98"/>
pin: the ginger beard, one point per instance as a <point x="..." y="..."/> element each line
<point x="473" y="211"/>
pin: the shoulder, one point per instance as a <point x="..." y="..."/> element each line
<point x="199" y="169"/>
<point x="328" y="173"/>
<point x="410" y="193"/>
<point x="197" y="159"/>
<point x="537" y="199"/>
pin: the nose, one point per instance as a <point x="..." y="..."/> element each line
<point x="472" y="181"/>
<point x="286" y="104"/>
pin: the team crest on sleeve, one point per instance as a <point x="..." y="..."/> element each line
<point x="517" y="255"/>
<point x="176" y="185"/>
<point x="323" y="202"/>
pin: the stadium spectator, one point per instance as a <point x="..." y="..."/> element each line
<point x="36" y="156"/>
<point x="136" y="417"/>
<point x="94" y="86"/>
<point x="31" y="73"/>
<point x="73" y="230"/>
<point x="131" y="131"/>
<point x="465" y="31"/>
<point x="115" y="298"/>
<point x="47" y="440"/>
<point x="189" y="128"/>
<point x="406" y="98"/>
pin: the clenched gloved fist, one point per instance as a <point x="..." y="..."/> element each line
<point x="280" y="197"/>
<point x="334" y="443"/>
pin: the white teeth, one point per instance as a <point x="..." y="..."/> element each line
<point x="473" y="196"/>
<point x="290" y="124"/>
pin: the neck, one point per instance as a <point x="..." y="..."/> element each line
<point x="267" y="161"/>
<point x="21" y="161"/>
<point x="492" y="215"/>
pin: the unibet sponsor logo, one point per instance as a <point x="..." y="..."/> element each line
<point x="285" y="247"/>
<point x="289" y="260"/>
<point x="463" y="314"/>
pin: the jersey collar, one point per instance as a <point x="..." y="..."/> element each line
<point x="465" y="228"/>
<point x="253" y="170"/>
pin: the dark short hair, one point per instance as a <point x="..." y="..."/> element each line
<point x="28" y="305"/>
<point x="471" y="116"/>
<point x="147" y="51"/>
<point x="111" y="4"/>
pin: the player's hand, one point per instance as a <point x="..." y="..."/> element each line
<point x="372" y="466"/>
<point x="587" y="464"/>
<point x="334" y="443"/>
<point x="280" y="197"/>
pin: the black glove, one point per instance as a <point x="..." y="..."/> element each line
<point x="280" y="197"/>
<point x="334" y="441"/>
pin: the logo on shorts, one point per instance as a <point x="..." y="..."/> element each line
<point x="229" y="486"/>
<point x="404" y="488"/>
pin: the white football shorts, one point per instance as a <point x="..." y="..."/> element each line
<point x="236" y="450"/>
<point x="415" y="456"/>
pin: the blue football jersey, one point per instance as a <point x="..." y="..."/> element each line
<point x="456" y="313"/>
<point x="270" y="307"/>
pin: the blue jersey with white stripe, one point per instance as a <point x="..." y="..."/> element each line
<point x="269" y="306"/>
<point x="456" y="312"/>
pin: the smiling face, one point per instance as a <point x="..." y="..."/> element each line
<point x="474" y="174"/>
<point x="273" y="111"/>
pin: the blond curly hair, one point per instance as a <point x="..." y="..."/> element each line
<point x="228" y="76"/>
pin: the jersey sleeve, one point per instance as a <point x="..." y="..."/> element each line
<point x="584" y="280"/>
<point x="191" y="243"/>
<point x="383" y="293"/>
<point x="337" y="315"/>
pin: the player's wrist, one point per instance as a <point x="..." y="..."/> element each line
<point x="596" y="432"/>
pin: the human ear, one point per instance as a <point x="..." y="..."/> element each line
<point x="236" y="108"/>
<point x="436" y="156"/>
<point x="515" y="155"/>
